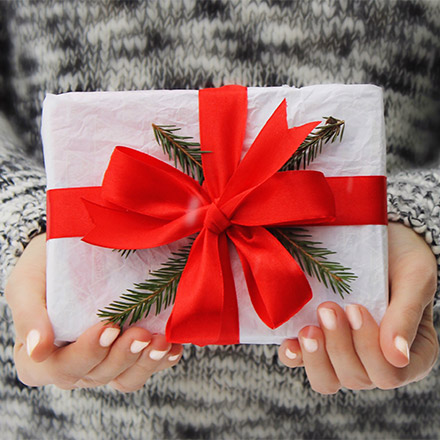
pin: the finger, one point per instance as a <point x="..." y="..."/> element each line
<point x="322" y="376"/>
<point x="70" y="363"/>
<point x="26" y="295"/>
<point x="290" y="354"/>
<point x="413" y="280"/>
<point x="424" y="349"/>
<point x="365" y="333"/>
<point x="172" y="358"/>
<point x="123" y="354"/>
<point x="135" y="377"/>
<point x="340" y="349"/>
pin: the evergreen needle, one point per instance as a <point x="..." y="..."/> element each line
<point x="178" y="148"/>
<point x="158" y="290"/>
<point x="313" y="259"/>
<point x="125" y="252"/>
<point x="313" y="143"/>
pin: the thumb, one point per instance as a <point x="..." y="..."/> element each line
<point x="25" y="293"/>
<point x="413" y="280"/>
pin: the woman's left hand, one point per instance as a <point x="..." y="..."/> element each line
<point x="352" y="351"/>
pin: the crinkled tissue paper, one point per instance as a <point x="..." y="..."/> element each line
<point x="80" y="131"/>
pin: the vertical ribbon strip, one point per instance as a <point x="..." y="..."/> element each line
<point x="145" y="203"/>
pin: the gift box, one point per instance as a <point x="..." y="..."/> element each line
<point x="80" y="132"/>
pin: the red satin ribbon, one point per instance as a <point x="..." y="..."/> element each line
<point x="144" y="203"/>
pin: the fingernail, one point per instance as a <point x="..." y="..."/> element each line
<point x="290" y="354"/>
<point x="137" y="346"/>
<point x="328" y="318"/>
<point x="354" y="316"/>
<point x="157" y="355"/>
<point x="310" y="345"/>
<point x="402" y="345"/>
<point x="32" y="340"/>
<point x="108" y="336"/>
<point x="174" y="357"/>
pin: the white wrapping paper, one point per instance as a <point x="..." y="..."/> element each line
<point x="80" y="131"/>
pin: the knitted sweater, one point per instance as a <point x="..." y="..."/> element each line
<point x="232" y="391"/>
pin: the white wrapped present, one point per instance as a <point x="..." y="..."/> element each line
<point x="80" y="131"/>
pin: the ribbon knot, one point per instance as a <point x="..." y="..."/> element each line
<point x="143" y="203"/>
<point x="216" y="220"/>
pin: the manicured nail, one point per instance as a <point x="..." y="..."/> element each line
<point x="108" y="336"/>
<point x="32" y="340"/>
<point x="290" y="354"/>
<point x="157" y="355"/>
<point x="402" y="345"/>
<point x="137" y="346"/>
<point x="310" y="345"/>
<point x="354" y="316"/>
<point x="174" y="357"/>
<point x="328" y="318"/>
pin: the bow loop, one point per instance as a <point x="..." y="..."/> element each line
<point x="152" y="203"/>
<point x="145" y="203"/>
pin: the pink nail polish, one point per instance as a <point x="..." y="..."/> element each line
<point x="311" y="345"/>
<point x="108" y="336"/>
<point x="291" y="354"/>
<point x="138" y="346"/>
<point x="402" y="345"/>
<point x="32" y="340"/>
<point x="354" y="316"/>
<point x="328" y="318"/>
<point x="157" y="355"/>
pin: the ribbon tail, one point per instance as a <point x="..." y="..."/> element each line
<point x="205" y="310"/>
<point x="273" y="147"/>
<point x="277" y="286"/>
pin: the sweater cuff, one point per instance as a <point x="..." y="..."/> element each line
<point x="414" y="200"/>
<point x="22" y="200"/>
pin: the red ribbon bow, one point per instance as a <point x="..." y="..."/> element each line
<point x="148" y="203"/>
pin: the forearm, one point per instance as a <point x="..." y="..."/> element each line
<point x="22" y="200"/>
<point x="414" y="200"/>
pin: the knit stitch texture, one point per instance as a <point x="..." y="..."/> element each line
<point x="233" y="391"/>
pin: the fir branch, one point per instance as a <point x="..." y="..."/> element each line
<point x="178" y="148"/>
<point x="158" y="290"/>
<point x="125" y="252"/>
<point x="313" y="259"/>
<point x="312" y="145"/>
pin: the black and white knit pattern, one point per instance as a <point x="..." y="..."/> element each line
<point x="22" y="198"/>
<point x="130" y="45"/>
<point x="233" y="391"/>
<point x="414" y="200"/>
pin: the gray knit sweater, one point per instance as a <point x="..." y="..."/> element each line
<point x="231" y="391"/>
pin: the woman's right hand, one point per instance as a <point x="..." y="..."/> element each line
<point x="100" y="355"/>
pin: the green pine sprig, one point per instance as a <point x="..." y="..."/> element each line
<point x="178" y="148"/>
<point x="159" y="290"/>
<point x="313" y="259"/>
<point x="125" y="252"/>
<point x="313" y="143"/>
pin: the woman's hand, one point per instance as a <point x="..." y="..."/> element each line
<point x="356" y="353"/>
<point x="100" y="355"/>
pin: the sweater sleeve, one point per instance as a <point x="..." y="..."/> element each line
<point x="414" y="200"/>
<point x="22" y="199"/>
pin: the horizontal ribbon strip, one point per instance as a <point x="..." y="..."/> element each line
<point x="359" y="200"/>
<point x="144" y="202"/>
